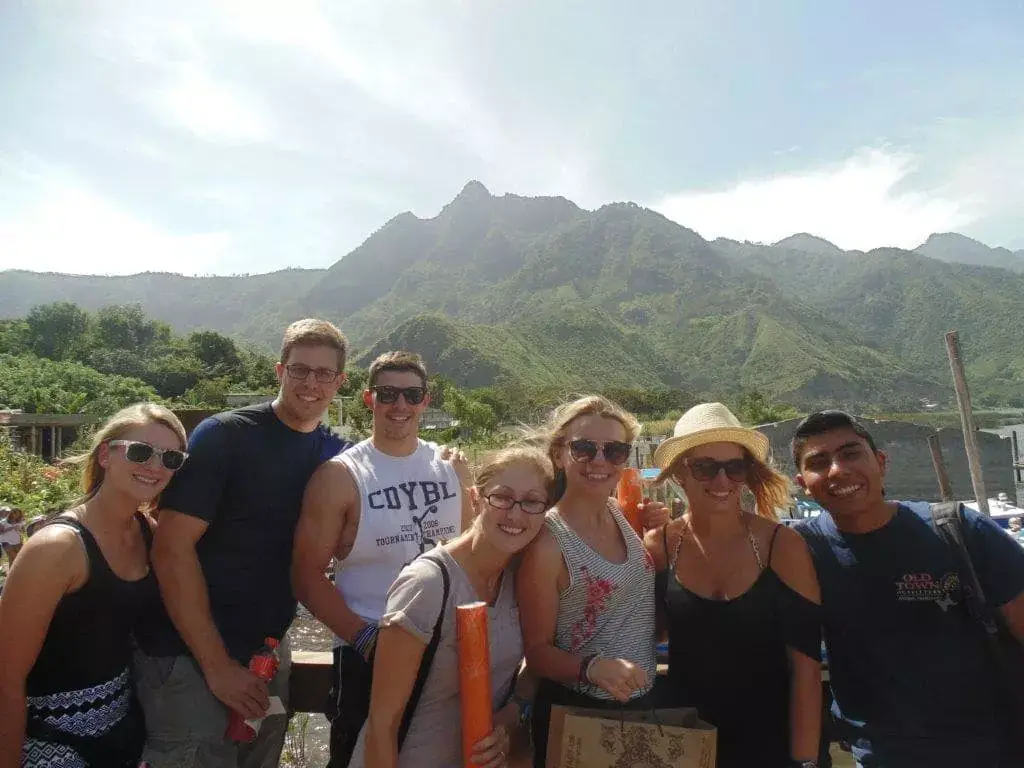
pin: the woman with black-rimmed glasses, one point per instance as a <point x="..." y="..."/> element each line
<point x="73" y="599"/>
<point x="586" y="585"/>
<point x="510" y="496"/>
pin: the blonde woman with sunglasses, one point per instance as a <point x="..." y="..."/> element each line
<point x="739" y="596"/>
<point x="586" y="585"/>
<point x="76" y="593"/>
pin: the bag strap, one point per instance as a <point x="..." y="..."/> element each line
<point x="947" y="517"/>
<point x="428" y="657"/>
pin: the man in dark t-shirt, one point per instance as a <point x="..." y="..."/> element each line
<point x="912" y="678"/>
<point x="222" y="553"/>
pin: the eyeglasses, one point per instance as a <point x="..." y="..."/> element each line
<point x="388" y="395"/>
<point x="529" y="506"/>
<point x="141" y="453"/>
<point x="615" y="451"/>
<point x="707" y="470"/>
<point x="301" y="372"/>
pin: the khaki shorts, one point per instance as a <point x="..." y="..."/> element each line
<point x="185" y="722"/>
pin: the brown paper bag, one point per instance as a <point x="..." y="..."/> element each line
<point x="609" y="738"/>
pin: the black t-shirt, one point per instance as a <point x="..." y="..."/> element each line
<point x="909" y="667"/>
<point x="245" y="476"/>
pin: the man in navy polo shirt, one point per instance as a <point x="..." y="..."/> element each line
<point x="222" y="553"/>
<point x="913" y="681"/>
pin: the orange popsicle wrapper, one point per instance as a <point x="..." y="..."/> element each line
<point x="474" y="676"/>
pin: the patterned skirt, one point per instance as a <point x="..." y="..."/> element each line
<point x="88" y="714"/>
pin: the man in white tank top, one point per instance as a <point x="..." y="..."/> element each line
<point x="374" y="509"/>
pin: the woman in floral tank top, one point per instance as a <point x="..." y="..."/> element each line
<point x="586" y="584"/>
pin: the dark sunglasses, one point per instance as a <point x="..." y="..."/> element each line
<point x="504" y="501"/>
<point x="708" y="469"/>
<point x="301" y="372"/>
<point x="615" y="451"/>
<point x="388" y="395"/>
<point x="141" y="453"/>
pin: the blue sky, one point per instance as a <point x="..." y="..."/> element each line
<point x="225" y="137"/>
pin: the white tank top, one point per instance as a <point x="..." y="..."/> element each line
<point x="407" y="505"/>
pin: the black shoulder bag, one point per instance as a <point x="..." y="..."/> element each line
<point x="1006" y="654"/>
<point x="428" y="657"/>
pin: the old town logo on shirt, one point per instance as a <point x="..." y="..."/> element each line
<point x="923" y="587"/>
<point x="420" y="499"/>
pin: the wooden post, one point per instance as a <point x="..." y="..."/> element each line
<point x="945" y="490"/>
<point x="963" y="399"/>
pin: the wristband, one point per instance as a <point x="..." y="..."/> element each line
<point x="365" y="640"/>
<point x="582" y="677"/>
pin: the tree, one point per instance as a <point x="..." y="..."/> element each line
<point x="13" y="337"/>
<point x="208" y="393"/>
<point x="57" y="330"/>
<point x="217" y="353"/>
<point x="473" y="415"/>
<point x="755" y="408"/>
<point x="126" y="327"/>
<point x="36" y="385"/>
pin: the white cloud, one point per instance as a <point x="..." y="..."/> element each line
<point x="860" y="203"/>
<point x="212" y="110"/>
<point x="61" y="225"/>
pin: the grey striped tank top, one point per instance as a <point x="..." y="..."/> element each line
<point x="608" y="608"/>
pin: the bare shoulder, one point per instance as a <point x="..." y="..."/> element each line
<point x="788" y="542"/>
<point x="331" y="486"/>
<point x="792" y="563"/>
<point x="55" y="554"/>
<point x="54" y="540"/>
<point x="655" y="542"/>
<point x="333" y="473"/>
<point x="543" y="554"/>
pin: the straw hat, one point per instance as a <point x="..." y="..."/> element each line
<point x="708" y="423"/>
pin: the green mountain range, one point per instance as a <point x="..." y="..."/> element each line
<point x="520" y="290"/>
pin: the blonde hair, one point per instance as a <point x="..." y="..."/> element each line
<point x="397" y="361"/>
<point x="115" y="427"/>
<point x="496" y="462"/>
<point x="769" y="487"/>
<point x="314" y="333"/>
<point x="551" y="436"/>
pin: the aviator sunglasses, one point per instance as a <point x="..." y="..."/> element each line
<point x="708" y="469"/>
<point x="140" y="453"/>
<point x="615" y="451"/>
<point x="388" y="395"/>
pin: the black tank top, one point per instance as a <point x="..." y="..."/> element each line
<point x="728" y="658"/>
<point x="88" y="641"/>
<point x="82" y="711"/>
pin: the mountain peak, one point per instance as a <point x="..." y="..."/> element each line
<point x="808" y="243"/>
<point x="474" y="190"/>
<point x="952" y="239"/>
<point x="957" y="248"/>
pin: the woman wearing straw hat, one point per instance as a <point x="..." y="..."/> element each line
<point x="586" y="584"/>
<point x="739" y="596"/>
